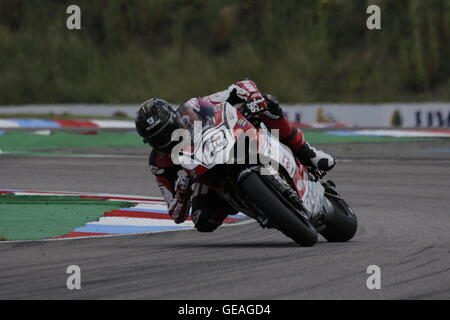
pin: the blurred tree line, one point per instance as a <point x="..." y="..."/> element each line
<point x="299" y="50"/>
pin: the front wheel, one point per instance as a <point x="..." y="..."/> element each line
<point x="279" y="213"/>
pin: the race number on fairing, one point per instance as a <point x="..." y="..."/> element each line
<point x="213" y="145"/>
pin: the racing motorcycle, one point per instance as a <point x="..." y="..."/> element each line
<point x="263" y="180"/>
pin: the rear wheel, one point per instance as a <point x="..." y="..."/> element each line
<point x="275" y="208"/>
<point x="342" y="224"/>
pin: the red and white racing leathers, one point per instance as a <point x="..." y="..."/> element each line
<point x="208" y="210"/>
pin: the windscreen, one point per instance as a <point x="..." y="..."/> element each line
<point x="200" y="116"/>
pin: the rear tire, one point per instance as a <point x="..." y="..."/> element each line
<point x="343" y="223"/>
<point x="278" y="213"/>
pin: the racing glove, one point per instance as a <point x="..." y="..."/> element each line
<point x="256" y="103"/>
<point x="274" y="110"/>
<point x="266" y="104"/>
<point x="183" y="193"/>
<point x="182" y="185"/>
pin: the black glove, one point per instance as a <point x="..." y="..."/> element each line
<point x="274" y="110"/>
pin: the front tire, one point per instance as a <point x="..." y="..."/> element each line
<point x="279" y="213"/>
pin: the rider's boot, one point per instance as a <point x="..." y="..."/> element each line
<point x="312" y="157"/>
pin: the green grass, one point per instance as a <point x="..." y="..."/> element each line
<point x="65" y="116"/>
<point x="315" y="137"/>
<point x="24" y="141"/>
<point x="14" y="142"/>
<point x="39" y="217"/>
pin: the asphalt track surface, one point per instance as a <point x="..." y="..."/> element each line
<point x="401" y="197"/>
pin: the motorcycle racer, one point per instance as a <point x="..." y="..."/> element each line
<point x="155" y="122"/>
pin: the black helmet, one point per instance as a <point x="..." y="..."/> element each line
<point x="155" y="122"/>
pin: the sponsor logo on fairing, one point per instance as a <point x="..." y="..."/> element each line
<point x="243" y="123"/>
